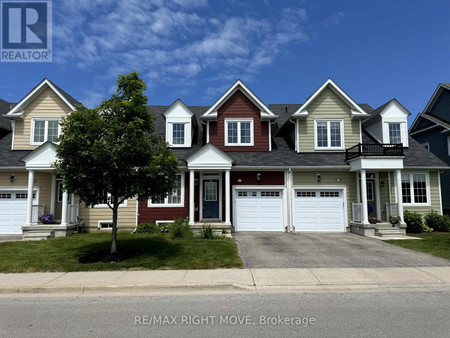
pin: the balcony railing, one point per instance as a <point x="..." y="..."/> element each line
<point x="37" y="211"/>
<point x="376" y="149"/>
<point x="357" y="212"/>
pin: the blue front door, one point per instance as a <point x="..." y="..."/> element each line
<point x="211" y="199"/>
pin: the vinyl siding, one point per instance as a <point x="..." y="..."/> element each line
<point x="43" y="182"/>
<point x="91" y="216"/>
<point x="348" y="179"/>
<point x="239" y="106"/>
<point x="441" y="108"/>
<point x="45" y="104"/>
<point x="439" y="147"/>
<point x="327" y="105"/>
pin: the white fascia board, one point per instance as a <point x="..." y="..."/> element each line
<point x="18" y="115"/>
<point x="376" y="164"/>
<point x="357" y="115"/>
<point x="36" y="91"/>
<point x="338" y="91"/>
<point x="238" y="85"/>
<point x="434" y="97"/>
<point x="183" y="109"/>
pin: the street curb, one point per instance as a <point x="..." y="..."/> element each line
<point x="230" y="287"/>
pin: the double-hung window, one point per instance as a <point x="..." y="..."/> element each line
<point x="178" y="132"/>
<point x="174" y="199"/>
<point x="395" y="134"/>
<point x="44" y="129"/>
<point x="415" y="188"/>
<point x="239" y="132"/>
<point x="329" y="134"/>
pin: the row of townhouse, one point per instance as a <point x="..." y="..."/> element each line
<point x="328" y="164"/>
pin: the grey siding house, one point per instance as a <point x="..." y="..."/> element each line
<point x="431" y="129"/>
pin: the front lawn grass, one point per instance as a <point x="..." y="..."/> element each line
<point x="157" y="251"/>
<point x="437" y="244"/>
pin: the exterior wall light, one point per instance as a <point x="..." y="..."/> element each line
<point x="319" y="178"/>
<point x="12" y="177"/>
<point x="258" y="176"/>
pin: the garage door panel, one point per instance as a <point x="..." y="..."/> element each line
<point x="319" y="210"/>
<point x="12" y="212"/>
<point x="259" y="210"/>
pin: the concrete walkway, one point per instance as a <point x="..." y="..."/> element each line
<point x="310" y="279"/>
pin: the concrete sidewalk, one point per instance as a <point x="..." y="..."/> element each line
<point x="231" y="279"/>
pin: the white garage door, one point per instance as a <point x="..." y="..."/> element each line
<point x="259" y="210"/>
<point x="319" y="210"/>
<point x="13" y="209"/>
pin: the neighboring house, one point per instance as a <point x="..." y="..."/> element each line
<point x="431" y="129"/>
<point x="328" y="164"/>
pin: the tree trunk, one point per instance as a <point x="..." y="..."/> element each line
<point x="114" y="229"/>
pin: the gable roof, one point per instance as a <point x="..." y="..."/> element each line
<point x="432" y="118"/>
<point x="356" y="110"/>
<point x="45" y="83"/>
<point x="177" y="103"/>
<point x="381" y="108"/>
<point x="211" y="113"/>
<point x="4" y="122"/>
<point x="435" y="96"/>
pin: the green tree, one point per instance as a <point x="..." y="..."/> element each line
<point x="112" y="151"/>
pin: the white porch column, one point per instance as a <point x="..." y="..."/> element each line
<point x="227" y="198"/>
<point x="365" y="215"/>
<point x="65" y="202"/>
<point x="53" y="196"/>
<point x="30" y="197"/>
<point x="399" y="194"/>
<point x="191" y="197"/>
<point x="358" y="189"/>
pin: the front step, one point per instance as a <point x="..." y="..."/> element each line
<point x="38" y="236"/>
<point x="389" y="232"/>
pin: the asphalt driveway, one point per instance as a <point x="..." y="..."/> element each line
<point x="325" y="250"/>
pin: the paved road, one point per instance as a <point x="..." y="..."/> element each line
<point x="325" y="250"/>
<point x="385" y="314"/>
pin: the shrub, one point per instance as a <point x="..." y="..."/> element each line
<point x="437" y="222"/>
<point x="180" y="229"/>
<point x="413" y="220"/>
<point x="207" y="232"/>
<point x="147" y="228"/>
<point x="165" y="227"/>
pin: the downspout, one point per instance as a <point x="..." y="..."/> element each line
<point x="289" y="201"/>
<point x="137" y="216"/>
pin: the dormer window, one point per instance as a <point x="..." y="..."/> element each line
<point x="395" y="134"/>
<point x="239" y="132"/>
<point x="329" y="134"/>
<point x="44" y="129"/>
<point x="178" y="133"/>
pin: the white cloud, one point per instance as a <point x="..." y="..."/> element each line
<point x="172" y="41"/>
<point x="333" y="19"/>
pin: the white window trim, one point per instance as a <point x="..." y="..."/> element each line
<point x="239" y="144"/>
<point x="341" y="121"/>
<point x="411" y="182"/>
<point x="124" y="204"/>
<point x="150" y="204"/>
<point x="170" y="135"/>
<point x="426" y="145"/>
<point x="399" y="129"/>
<point x="106" y="221"/>
<point x="46" y="119"/>
<point x="403" y="132"/>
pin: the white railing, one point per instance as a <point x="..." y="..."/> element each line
<point x="357" y="212"/>
<point x="37" y="211"/>
<point x="391" y="210"/>
<point x="72" y="213"/>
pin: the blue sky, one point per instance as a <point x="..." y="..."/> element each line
<point x="283" y="50"/>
